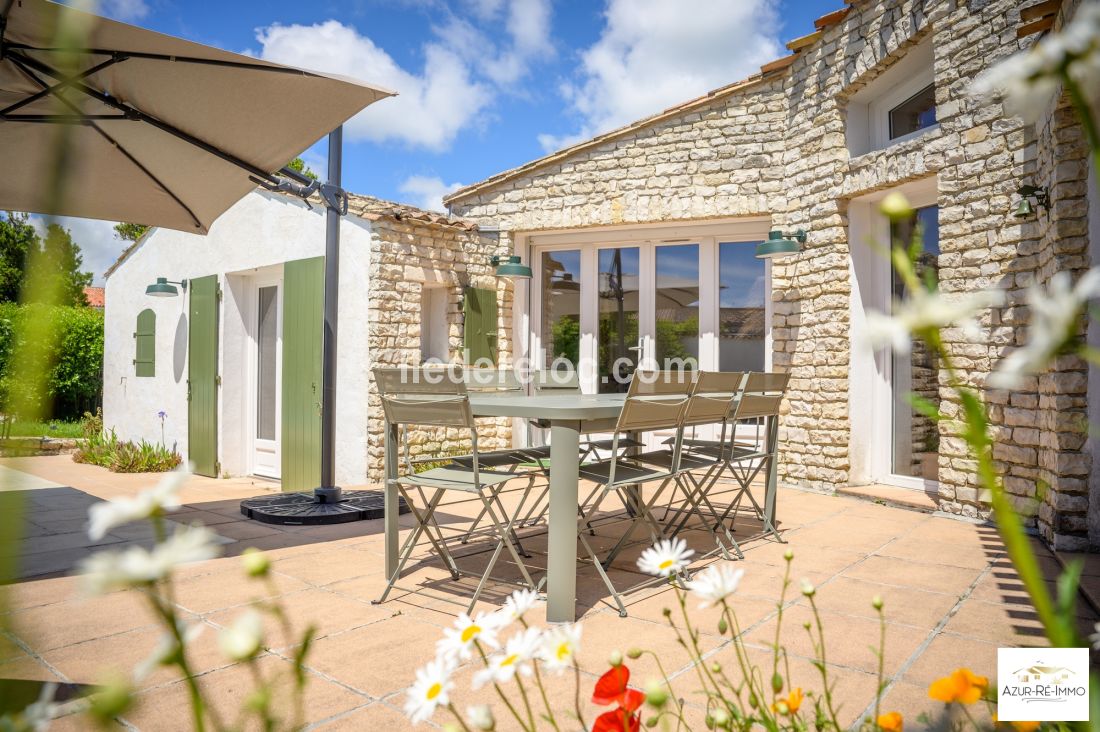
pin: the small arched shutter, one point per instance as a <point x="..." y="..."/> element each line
<point x="145" y="339"/>
<point x="480" y="327"/>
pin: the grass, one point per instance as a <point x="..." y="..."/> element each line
<point x="53" y="428"/>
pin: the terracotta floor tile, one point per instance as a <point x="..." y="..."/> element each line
<point x="28" y="668"/>
<point x="331" y="565"/>
<point x="848" y="639"/>
<point x="342" y="657"/>
<point x="34" y="593"/>
<point x="327" y="612"/>
<point x="954" y="555"/>
<point x="932" y="577"/>
<point x="376" y="716"/>
<point x="74" y="621"/>
<point x="1008" y="625"/>
<point x="946" y="653"/>
<point x="900" y="604"/>
<point x="166" y="708"/>
<point x="228" y="588"/>
<point x="748" y="611"/>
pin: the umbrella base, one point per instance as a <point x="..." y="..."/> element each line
<point x="304" y="509"/>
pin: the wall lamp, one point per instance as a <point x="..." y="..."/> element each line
<point x="512" y="268"/>
<point x="1025" y="209"/>
<point x="781" y="245"/>
<point x="165" y="288"/>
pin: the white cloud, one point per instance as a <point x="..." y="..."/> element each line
<point x="433" y="105"/>
<point x="127" y="11"/>
<point x="97" y="241"/>
<point x="427" y="191"/>
<point x="653" y="54"/>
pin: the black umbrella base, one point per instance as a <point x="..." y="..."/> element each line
<point x="303" y="509"/>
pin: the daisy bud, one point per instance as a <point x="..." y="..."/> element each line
<point x="616" y="658"/>
<point x="753" y="701"/>
<point x="652" y="722"/>
<point x="723" y="626"/>
<point x="721" y="718"/>
<point x="896" y="207"/>
<point x="716" y="668"/>
<point x="876" y="602"/>
<point x="256" y="563"/>
<point x="806" y="625"/>
<point x="634" y="653"/>
<point x="656" y="694"/>
<point x="667" y="612"/>
<point x="788" y="555"/>
<point x="808" y="588"/>
<point x="777" y="683"/>
<point x="709" y="721"/>
<point x="481" y="717"/>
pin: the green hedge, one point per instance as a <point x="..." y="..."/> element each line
<point x="74" y="361"/>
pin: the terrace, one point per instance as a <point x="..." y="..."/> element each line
<point x="951" y="598"/>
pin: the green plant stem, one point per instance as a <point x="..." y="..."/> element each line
<point x="881" y="662"/>
<point x="500" y="692"/>
<point x="668" y="682"/>
<point x="457" y="716"/>
<point x="197" y="704"/>
<point x="824" y="673"/>
<point x="746" y="671"/>
<point x="526" y="701"/>
<point x="545" y="701"/>
<point x="577" y="694"/>
<point x="261" y="685"/>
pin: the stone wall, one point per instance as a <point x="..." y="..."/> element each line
<point x="777" y="146"/>
<point x="406" y="256"/>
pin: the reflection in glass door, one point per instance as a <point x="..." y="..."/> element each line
<point x="676" y="305"/>
<point x="915" y="444"/>
<point x="618" y="344"/>
<point x="560" y="278"/>
<point x="266" y="460"/>
<point x="742" y="289"/>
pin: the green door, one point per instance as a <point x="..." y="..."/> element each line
<point x="303" y="315"/>
<point x="202" y="376"/>
<point x="479" y="310"/>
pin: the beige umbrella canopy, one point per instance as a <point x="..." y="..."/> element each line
<point x="163" y="131"/>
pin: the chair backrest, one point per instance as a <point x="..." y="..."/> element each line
<point x="714" y="397"/>
<point x="491" y="379"/>
<point x="424" y="396"/>
<point x="655" y="400"/>
<point x="553" y="381"/>
<point x="762" y="395"/>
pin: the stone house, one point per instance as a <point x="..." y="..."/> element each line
<point x="233" y="360"/>
<point x="876" y="99"/>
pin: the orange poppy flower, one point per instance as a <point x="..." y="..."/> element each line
<point x="962" y="686"/>
<point x="890" y="722"/>
<point x="791" y="704"/>
<point x="1025" y="726"/>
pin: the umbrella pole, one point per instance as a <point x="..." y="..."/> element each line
<point x="329" y="492"/>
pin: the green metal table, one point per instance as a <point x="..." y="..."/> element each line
<point x="566" y="413"/>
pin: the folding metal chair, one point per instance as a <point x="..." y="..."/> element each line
<point x="438" y="397"/>
<point x="655" y="400"/>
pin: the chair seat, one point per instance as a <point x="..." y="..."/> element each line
<point x="609" y="444"/>
<point x="457" y="477"/>
<point x="625" y="472"/>
<point x="688" y="461"/>
<point x="493" y="459"/>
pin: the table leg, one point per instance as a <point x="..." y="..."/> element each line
<point x="391" y="507"/>
<point x="772" y="483"/>
<point x="561" y="562"/>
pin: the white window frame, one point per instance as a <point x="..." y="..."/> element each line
<point x="871" y="398"/>
<point x="272" y="278"/>
<point x="868" y="119"/>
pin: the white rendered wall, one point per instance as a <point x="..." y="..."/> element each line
<point x="259" y="231"/>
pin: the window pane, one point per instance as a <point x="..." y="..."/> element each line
<point x="561" y="302"/>
<point x="618" y="327"/>
<point x="266" y="336"/>
<point x="915" y="436"/>
<point x="915" y="113"/>
<point x="677" y="304"/>
<point x="741" y="292"/>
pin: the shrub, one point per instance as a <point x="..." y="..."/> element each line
<point x="74" y="361"/>
<point x="102" y="447"/>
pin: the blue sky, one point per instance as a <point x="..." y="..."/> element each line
<point x="484" y="85"/>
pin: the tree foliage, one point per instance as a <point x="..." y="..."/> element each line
<point x="63" y="281"/>
<point x="299" y="165"/>
<point x="17" y="238"/>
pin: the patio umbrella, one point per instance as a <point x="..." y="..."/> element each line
<point x="163" y="131"/>
<point x="168" y="133"/>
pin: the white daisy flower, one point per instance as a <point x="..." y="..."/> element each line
<point x="923" y="310"/>
<point x="517" y="605"/>
<point x="166" y="650"/>
<point x="241" y="640"/>
<point x="559" y="646"/>
<point x="480" y="717"/>
<point x="1028" y="81"/>
<point x="715" y="583"/>
<point x="135" y="566"/>
<point x="665" y="558"/>
<point x="1055" y="314"/>
<point x="430" y="690"/>
<point x="102" y="517"/>
<point x="458" y="641"/>
<point x="515" y="658"/>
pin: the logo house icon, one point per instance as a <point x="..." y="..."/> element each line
<point x="1053" y="676"/>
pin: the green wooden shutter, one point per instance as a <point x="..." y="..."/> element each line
<point x="480" y="324"/>
<point x="202" y="375"/>
<point x="145" y="343"/>
<point x="303" y="319"/>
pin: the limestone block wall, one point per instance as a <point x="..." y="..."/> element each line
<point x="407" y="256"/>
<point x="777" y="146"/>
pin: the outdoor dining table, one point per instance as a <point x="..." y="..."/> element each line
<point x="566" y="414"/>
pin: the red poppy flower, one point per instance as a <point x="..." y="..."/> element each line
<point x="618" y="720"/>
<point x="611" y="686"/>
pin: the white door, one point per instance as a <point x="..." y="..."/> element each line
<point x="608" y="306"/>
<point x="267" y="378"/>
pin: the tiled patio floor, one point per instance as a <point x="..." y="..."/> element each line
<point x="951" y="599"/>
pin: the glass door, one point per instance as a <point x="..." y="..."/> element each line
<point x="265" y="454"/>
<point x="620" y="348"/>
